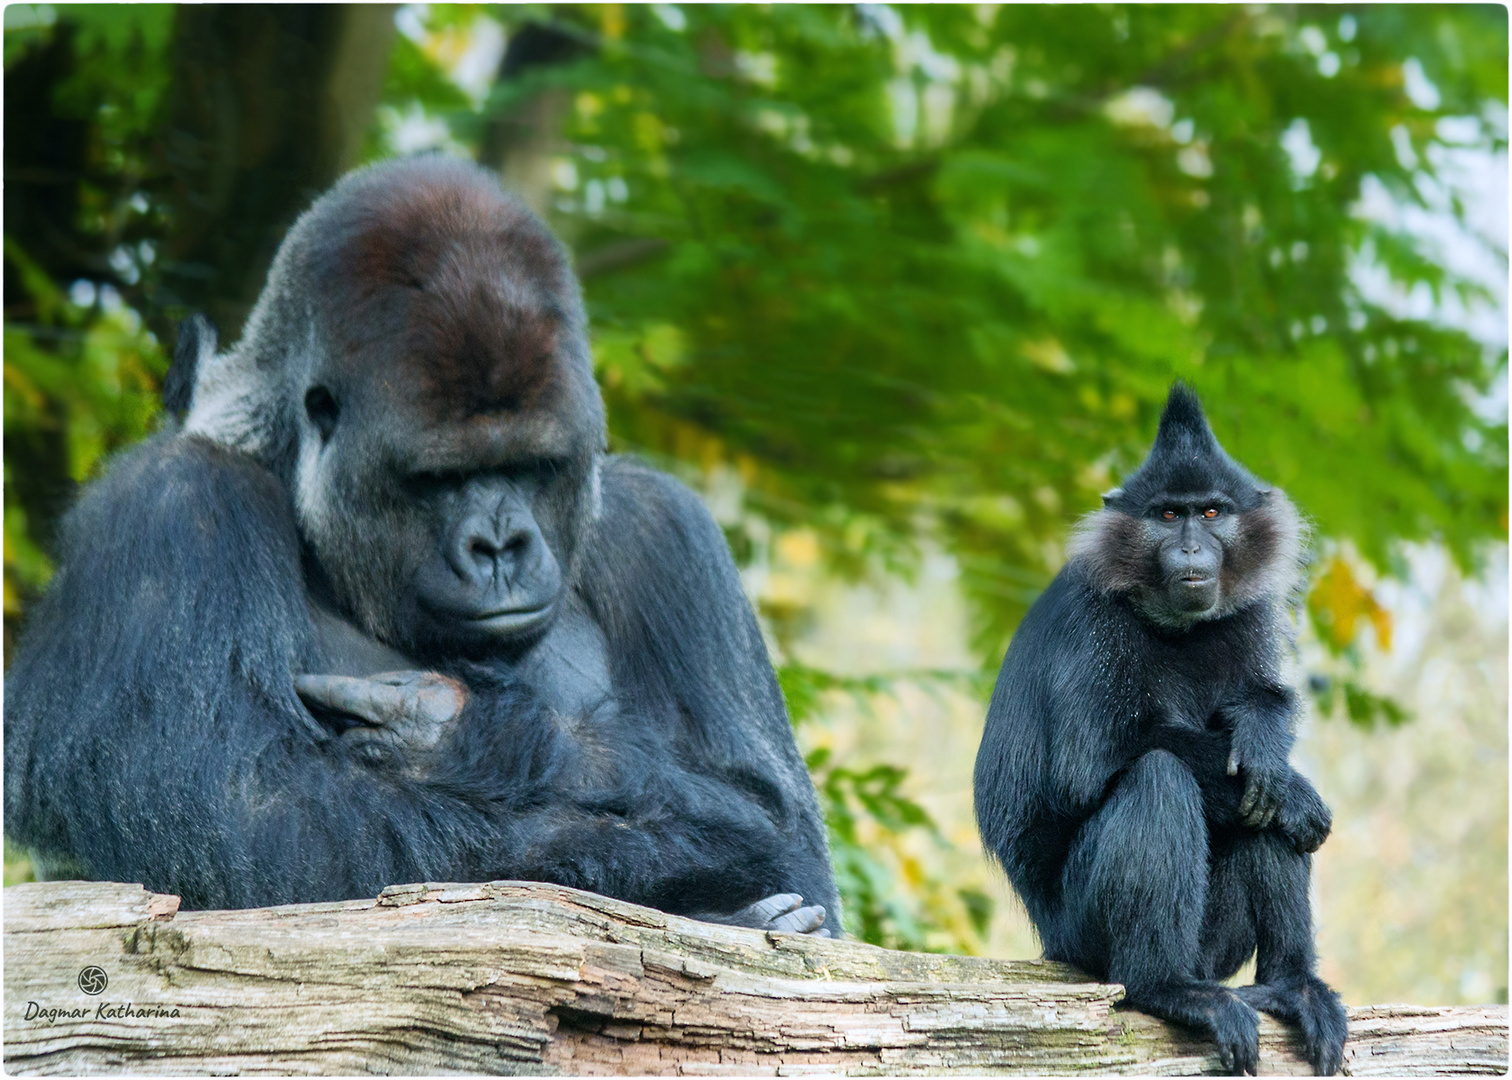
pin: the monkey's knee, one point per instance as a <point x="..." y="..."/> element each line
<point x="1158" y="801"/>
<point x="1135" y="883"/>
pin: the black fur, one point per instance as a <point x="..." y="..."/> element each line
<point x="196" y="337"/>
<point x="638" y="748"/>
<point x="1133" y="777"/>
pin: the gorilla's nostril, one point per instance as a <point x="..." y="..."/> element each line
<point x="517" y="544"/>
<point x="481" y="551"/>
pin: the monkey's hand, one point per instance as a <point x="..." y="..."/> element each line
<point x="1265" y="779"/>
<point x="388" y="714"/>
<point x="1304" y="818"/>
<point x="784" y="912"/>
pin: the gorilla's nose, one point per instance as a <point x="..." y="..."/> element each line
<point x="496" y="552"/>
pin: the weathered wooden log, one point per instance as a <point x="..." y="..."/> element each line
<point x="513" y="977"/>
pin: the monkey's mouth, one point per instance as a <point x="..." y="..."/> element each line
<point x="1194" y="580"/>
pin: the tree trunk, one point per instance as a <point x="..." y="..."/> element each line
<point x="271" y="103"/>
<point x="529" y="978"/>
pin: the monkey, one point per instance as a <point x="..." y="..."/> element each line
<point x="381" y="607"/>
<point x="1133" y="777"/>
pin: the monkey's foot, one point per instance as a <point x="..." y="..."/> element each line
<point x="1211" y="1008"/>
<point x="1307" y="1002"/>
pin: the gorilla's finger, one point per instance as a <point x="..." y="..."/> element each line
<point x="1233" y="762"/>
<point x="400" y="678"/>
<point x="435" y="699"/>
<point x="803" y="921"/>
<point x="418" y="702"/>
<point x="765" y="911"/>
<point x="374" y="745"/>
<point x="362" y="698"/>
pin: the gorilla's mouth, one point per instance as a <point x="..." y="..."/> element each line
<point x="510" y="621"/>
<point x="1194" y="580"/>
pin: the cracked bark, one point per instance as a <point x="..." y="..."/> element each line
<point x="528" y="978"/>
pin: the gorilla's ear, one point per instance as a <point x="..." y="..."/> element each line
<point x="1109" y="496"/>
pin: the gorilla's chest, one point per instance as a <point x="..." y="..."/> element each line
<point x="569" y="668"/>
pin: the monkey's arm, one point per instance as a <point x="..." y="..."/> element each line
<point x="1261" y="719"/>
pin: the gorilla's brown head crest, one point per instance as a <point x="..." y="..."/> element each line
<point x="463" y="289"/>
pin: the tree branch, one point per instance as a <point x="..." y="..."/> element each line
<point x="511" y="977"/>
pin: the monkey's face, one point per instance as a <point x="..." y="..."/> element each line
<point x="1190" y="535"/>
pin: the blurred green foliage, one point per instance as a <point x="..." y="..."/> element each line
<point x="935" y="267"/>
<point x="890" y="899"/>
<point x="86" y="375"/>
<point x="910" y="273"/>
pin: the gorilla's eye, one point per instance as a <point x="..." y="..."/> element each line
<point x="1168" y="515"/>
<point x="322" y="410"/>
<point x="1210" y="513"/>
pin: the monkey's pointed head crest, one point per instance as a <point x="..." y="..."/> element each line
<point x="1185" y="460"/>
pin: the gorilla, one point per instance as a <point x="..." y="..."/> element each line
<point x="382" y="608"/>
<point x="1133" y="777"/>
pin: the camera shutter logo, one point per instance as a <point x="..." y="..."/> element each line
<point x="93" y="980"/>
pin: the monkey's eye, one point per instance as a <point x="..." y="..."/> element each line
<point x="1168" y="515"/>
<point x="1210" y="513"/>
<point x="322" y="410"/>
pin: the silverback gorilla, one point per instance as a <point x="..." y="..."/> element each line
<point x="1133" y="777"/>
<point x="383" y="610"/>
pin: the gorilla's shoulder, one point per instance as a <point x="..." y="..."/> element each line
<point x="179" y="466"/>
<point x="645" y="500"/>
<point x="177" y="491"/>
<point x="656" y="538"/>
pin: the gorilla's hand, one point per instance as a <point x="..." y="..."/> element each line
<point x="395" y="712"/>
<point x="784" y="912"/>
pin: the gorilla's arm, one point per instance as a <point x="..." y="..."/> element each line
<point x="152" y="729"/>
<point x="686" y="650"/>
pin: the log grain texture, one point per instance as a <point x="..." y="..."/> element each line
<point x="512" y="977"/>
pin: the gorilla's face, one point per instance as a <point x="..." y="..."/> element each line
<point x="446" y="538"/>
<point x="445" y="423"/>
<point x="492" y="549"/>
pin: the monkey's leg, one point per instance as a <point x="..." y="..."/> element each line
<point x="1262" y="873"/>
<point x="1134" y="892"/>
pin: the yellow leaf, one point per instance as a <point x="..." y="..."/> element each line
<point x="1338" y="601"/>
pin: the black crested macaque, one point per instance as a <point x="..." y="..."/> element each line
<point x="1133" y="777"/>
<point x="382" y="609"/>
